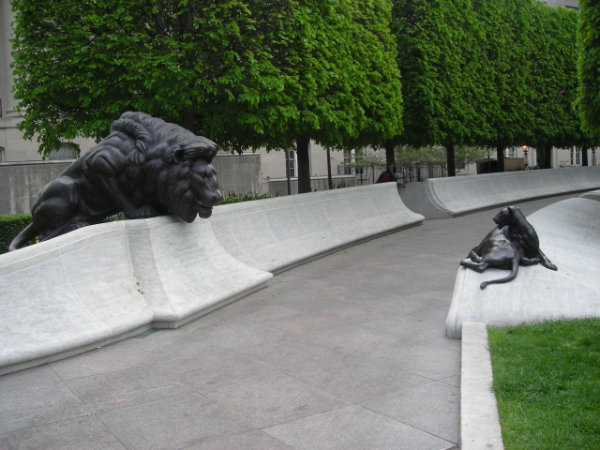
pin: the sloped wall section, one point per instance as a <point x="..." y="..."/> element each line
<point x="103" y="283"/>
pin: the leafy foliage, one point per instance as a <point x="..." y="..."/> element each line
<point x="245" y="73"/>
<point x="79" y="65"/>
<point x="437" y="154"/>
<point x="588" y="42"/>
<point x="435" y="45"/>
<point x="553" y="79"/>
<point x="487" y="72"/>
<point x="503" y="68"/>
<point x="10" y="226"/>
<point x="274" y="73"/>
<point x="237" y="198"/>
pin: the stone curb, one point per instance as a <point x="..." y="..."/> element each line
<point x="462" y="195"/>
<point x="479" y="420"/>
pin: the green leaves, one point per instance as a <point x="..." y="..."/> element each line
<point x="252" y="73"/>
<point x="244" y="73"/>
<point x="588" y="64"/>
<point x="487" y="72"/>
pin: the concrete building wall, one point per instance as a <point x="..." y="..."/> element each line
<point x="274" y="162"/>
<point x="238" y="174"/>
<point x="21" y="182"/>
<point x="12" y="145"/>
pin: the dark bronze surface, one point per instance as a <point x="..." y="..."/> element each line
<point x="146" y="167"/>
<point x="512" y="243"/>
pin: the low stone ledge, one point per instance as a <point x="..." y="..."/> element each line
<point x="592" y="195"/>
<point x="279" y="233"/>
<point x="462" y="195"/>
<point x="106" y="282"/>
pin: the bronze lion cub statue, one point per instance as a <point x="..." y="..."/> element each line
<point x="512" y="243"/>
<point x="144" y="168"/>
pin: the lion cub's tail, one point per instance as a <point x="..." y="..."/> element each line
<point x="510" y="277"/>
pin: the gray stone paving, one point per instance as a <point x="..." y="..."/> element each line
<point x="347" y="351"/>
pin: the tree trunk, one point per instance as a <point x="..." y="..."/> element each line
<point x="302" y="147"/>
<point x="584" y="156"/>
<point x="329" y="179"/>
<point x="450" y="159"/>
<point x="500" y="157"/>
<point x="544" y="155"/>
<point x="390" y="154"/>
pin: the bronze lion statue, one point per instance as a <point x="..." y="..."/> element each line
<point x="512" y="243"/>
<point x="144" y="168"/>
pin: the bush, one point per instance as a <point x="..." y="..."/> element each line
<point x="236" y="198"/>
<point x="10" y="226"/>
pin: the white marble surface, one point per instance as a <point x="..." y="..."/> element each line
<point x="592" y="195"/>
<point x="278" y="233"/>
<point x="105" y="282"/>
<point x="460" y="195"/>
<point x="569" y="236"/>
<point x="67" y="293"/>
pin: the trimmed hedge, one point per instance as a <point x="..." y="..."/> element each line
<point x="10" y="226"/>
<point x="236" y="198"/>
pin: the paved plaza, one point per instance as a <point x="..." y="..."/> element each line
<point x="345" y="352"/>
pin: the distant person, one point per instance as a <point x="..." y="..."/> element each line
<point x="388" y="175"/>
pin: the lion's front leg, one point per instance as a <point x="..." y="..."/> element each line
<point x="102" y="171"/>
<point x="475" y="257"/>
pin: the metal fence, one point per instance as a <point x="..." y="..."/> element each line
<point x="411" y="172"/>
<point x="407" y="172"/>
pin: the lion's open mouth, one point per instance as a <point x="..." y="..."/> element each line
<point x="203" y="211"/>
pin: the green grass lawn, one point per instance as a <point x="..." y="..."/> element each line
<point x="547" y="384"/>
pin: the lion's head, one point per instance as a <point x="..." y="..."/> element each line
<point x="505" y="216"/>
<point x="191" y="185"/>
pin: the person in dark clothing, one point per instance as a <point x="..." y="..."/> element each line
<point x="388" y="175"/>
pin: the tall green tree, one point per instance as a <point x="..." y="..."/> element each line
<point x="553" y="79"/>
<point x="376" y="78"/>
<point x="436" y="45"/>
<point x="588" y="44"/>
<point x="244" y="73"/>
<point x="503" y="68"/>
<point x="340" y="78"/>
<point x="79" y="65"/>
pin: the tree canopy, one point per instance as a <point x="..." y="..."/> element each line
<point x="553" y="80"/>
<point x="588" y="41"/>
<point x="486" y="72"/>
<point x="244" y="73"/>
<point x="79" y="65"/>
<point x="277" y="73"/>
<point x="503" y="67"/>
